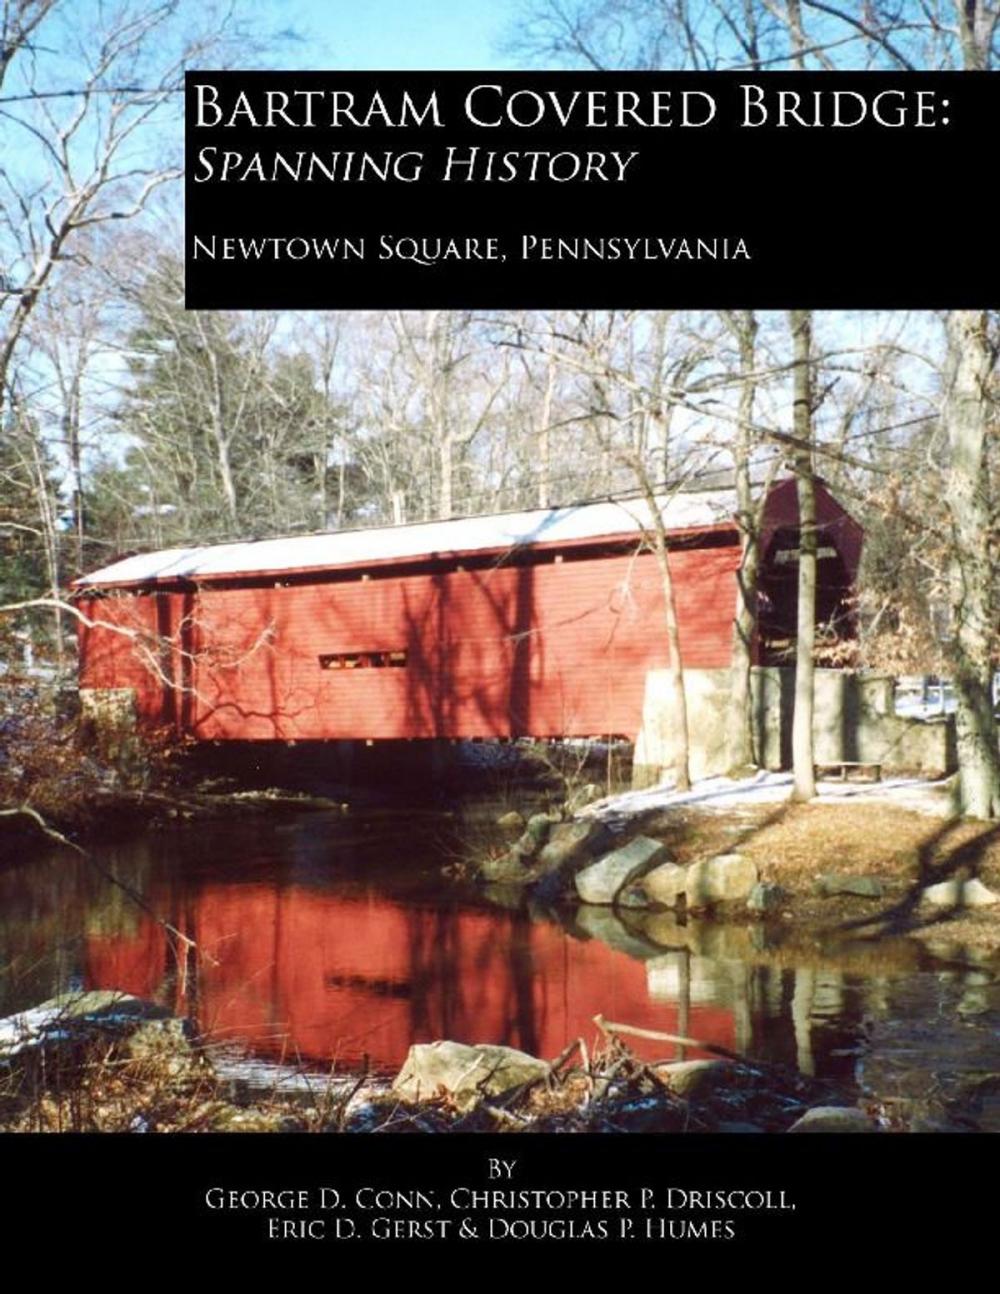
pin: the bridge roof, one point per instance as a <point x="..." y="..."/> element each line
<point x="420" y="541"/>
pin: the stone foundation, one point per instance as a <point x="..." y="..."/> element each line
<point x="108" y="717"/>
<point x="854" y="721"/>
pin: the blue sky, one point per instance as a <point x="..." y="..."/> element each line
<point x="368" y="34"/>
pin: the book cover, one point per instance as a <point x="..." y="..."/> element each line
<point x="498" y="628"/>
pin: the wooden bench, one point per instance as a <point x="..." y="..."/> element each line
<point x="844" y="766"/>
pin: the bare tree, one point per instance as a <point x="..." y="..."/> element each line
<point x="969" y="366"/>
<point x="702" y="35"/>
<point x="803" y="764"/>
<point x="18" y="21"/>
<point x="82" y="164"/>
<point x="444" y="354"/>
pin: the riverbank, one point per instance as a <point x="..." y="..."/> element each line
<point x="322" y="934"/>
<point x="913" y="867"/>
<point x="53" y="776"/>
<point x="108" y="1062"/>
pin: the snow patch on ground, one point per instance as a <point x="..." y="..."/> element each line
<point x="25" y="1029"/>
<point x="721" y="794"/>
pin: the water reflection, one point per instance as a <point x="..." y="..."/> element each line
<point x="328" y="939"/>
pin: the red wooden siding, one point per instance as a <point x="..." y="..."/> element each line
<point x="542" y="649"/>
<point x="146" y="647"/>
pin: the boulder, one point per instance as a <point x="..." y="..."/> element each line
<point x="512" y="821"/>
<point x="662" y="886"/>
<point x="539" y="826"/>
<point x="464" y="1073"/>
<point x="632" y="896"/>
<point x="697" y="1079"/>
<point x="722" y="879"/>
<point x="765" y="899"/>
<point x="508" y="868"/>
<point x="509" y="895"/>
<point x="833" y="1118"/>
<point x="833" y="883"/>
<point x="164" y="1044"/>
<point x="72" y="1016"/>
<point x="526" y="844"/>
<point x="138" y="1030"/>
<point x="959" y="894"/>
<point x="601" y="881"/>
<point x="573" y="844"/>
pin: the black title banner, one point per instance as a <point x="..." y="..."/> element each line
<point x="329" y="190"/>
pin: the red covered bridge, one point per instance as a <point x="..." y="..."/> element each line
<point x="541" y="623"/>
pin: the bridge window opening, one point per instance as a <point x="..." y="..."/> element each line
<point x="363" y="660"/>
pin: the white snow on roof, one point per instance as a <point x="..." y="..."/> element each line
<point x="496" y="533"/>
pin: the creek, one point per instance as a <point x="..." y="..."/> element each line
<point x="333" y="939"/>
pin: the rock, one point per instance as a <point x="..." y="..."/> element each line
<point x="663" y="885"/>
<point x="465" y="1073"/>
<point x="696" y="1079"/>
<point x="72" y="1016"/>
<point x="573" y="844"/>
<point x="765" y="898"/>
<point x="833" y="1118"/>
<point x="720" y="880"/>
<point x="833" y="883"/>
<point x="509" y="895"/>
<point x="512" y="821"/>
<point x="106" y="1005"/>
<point x="584" y="795"/>
<point x="166" y="1044"/>
<point x="632" y="896"/>
<point x="231" y="1119"/>
<point x="510" y="868"/>
<point x="526" y="844"/>
<point x="139" y="1031"/>
<point x="740" y="1127"/>
<point x="540" y="825"/>
<point x="959" y="894"/>
<point x="601" y="881"/>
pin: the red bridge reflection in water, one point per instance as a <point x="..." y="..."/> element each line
<point x="299" y="974"/>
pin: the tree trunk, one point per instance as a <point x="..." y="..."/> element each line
<point x="975" y="24"/>
<point x="803" y="760"/>
<point x="742" y="752"/>
<point x="968" y="366"/>
<point x="49" y="527"/>
<point x="446" y="503"/>
<point x="228" y="485"/>
<point x="71" y="434"/>
<point x="544" y="430"/>
<point x="740" y="734"/>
